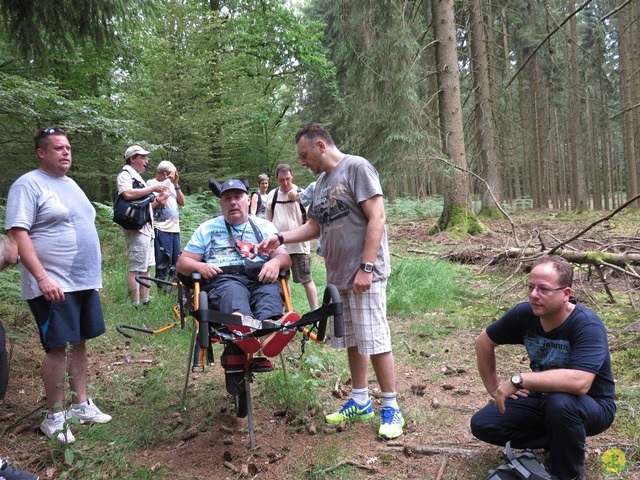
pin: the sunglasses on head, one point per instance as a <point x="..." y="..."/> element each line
<point x="45" y="132"/>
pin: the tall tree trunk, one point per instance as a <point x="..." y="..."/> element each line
<point x="579" y="196"/>
<point x="484" y="114"/>
<point x="626" y="83"/>
<point x="457" y="216"/>
<point x="593" y="157"/>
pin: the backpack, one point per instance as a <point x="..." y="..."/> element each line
<point x="260" y="209"/>
<point x="303" y="210"/>
<point x="518" y="466"/>
<point x="132" y="214"/>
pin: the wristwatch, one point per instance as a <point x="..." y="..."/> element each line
<point x="280" y="238"/>
<point x="367" y="267"/>
<point x="516" y="380"/>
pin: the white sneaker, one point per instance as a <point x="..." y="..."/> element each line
<point x="55" y="427"/>
<point x="88" y="413"/>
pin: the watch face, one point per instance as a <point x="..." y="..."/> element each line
<point x="516" y="379"/>
<point x="367" y="267"/>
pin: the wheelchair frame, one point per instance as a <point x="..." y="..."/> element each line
<point x="212" y="326"/>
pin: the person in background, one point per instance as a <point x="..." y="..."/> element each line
<point x="569" y="392"/>
<point x="53" y="223"/>
<point x="348" y="213"/>
<point x="258" y="205"/>
<point x="8" y="256"/>
<point x="139" y="242"/>
<point x="166" y="219"/>
<point x="286" y="213"/>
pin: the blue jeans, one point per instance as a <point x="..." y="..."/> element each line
<point x="167" y="251"/>
<point x="230" y="293"/>
<point x="557" y="422"/>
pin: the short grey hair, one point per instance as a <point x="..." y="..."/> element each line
<point x="165" y="166"/>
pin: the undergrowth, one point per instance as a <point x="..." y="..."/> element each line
<point x="431" y="303"/>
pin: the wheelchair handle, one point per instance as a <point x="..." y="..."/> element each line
<point x="141" y="280"/>
<point x="332" y="295"/>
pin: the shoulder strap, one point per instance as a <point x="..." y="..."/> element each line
<point x="303" y="210"/>
<point x="135" y="183"/>
<point x="275" y="200"/>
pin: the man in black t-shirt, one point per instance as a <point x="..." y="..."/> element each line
<point x="569" y="392"/>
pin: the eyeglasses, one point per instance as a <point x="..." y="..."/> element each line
<point x="543" y="290"/>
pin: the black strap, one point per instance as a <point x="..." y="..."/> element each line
<point x="303" y="210"/>
<point x="255" y="229"/>
<point x="135" y="183"/>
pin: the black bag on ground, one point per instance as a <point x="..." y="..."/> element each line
<point x="518" y="466"/>
<point x="132" y="214"/>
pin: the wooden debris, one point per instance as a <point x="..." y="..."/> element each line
<point x="443" y="465"/>
<point x="351" y="463"/>
<point x="431" y="450"/>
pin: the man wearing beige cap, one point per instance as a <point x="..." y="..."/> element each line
<point x="139" y="242"/>
<point x="166" y="219"/>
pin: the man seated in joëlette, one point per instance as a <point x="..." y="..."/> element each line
<point x="221" y="251"/>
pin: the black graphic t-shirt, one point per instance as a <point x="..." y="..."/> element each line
<point x="580" y="343"/>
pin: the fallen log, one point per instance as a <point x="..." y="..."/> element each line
<point x="431" y="450"/>
<point x="585" y="258"/>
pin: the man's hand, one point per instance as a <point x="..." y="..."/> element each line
<point x="158" y="188"/>
<point x="362" y="282"/>
<point x="207" y="270"/>
<point x="267" y="246"/>
<point x="51" y="290"/>
<point x="506" y="390"/>
<point x="270" y="272"/>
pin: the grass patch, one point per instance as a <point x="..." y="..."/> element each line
<point x="436" y="309"/>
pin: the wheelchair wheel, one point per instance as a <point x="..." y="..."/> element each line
<point x="241" y="405"/>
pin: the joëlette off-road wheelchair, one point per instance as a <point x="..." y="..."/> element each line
<point x="238" y="334"/>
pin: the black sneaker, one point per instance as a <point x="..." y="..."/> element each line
<point x="9" y="473"/>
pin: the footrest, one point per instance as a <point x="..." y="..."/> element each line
<point x="260" y="364"/>
<point x="274" y="344"/>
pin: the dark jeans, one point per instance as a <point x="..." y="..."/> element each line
<point x="557" y="422"/>
<point x="232" y="293"/>
<point x="4" y="365"/>
<point x="167" y="251"/>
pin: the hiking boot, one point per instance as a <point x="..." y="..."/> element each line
<point x="88" y="413"/>
<point x="9" y="473"/>
<point x="391" y="423"/>
<point x="53" y="426"/>
<point x="351" y="412"/>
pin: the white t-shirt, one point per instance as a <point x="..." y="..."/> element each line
<point x="286" y="216"/>
<point x="167" y="218"/>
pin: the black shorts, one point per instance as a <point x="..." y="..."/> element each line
<point x="78" y="318"/>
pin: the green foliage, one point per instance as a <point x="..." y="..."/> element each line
<point x="418" y="284"/>
<point x="406" y="207"/>
<point x="37" y="28"/>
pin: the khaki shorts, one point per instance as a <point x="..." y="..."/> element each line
<point x="301" y="267"/>
<point x="365" y="320"/>
<point x="141" y="252"/>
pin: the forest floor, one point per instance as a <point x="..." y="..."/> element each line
<point x="438" y="401"/>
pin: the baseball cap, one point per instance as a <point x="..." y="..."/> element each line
<point x="233" y="184"/>
<point x="134" y="150"/>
